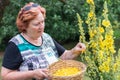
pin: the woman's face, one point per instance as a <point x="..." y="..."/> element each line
<point x="36" y="26"/>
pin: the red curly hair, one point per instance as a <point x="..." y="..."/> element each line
<point x="26" y="15"/>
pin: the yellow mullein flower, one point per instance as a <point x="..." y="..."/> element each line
<point x="101" y="44"/>
<point x="90" y="2"/>
<point x="106" y="23"/>
<point x="90" y="14"/>
<point x="101" y="68"/>
<point x="101" y="29"/>
<point x="104" y="67"/>
<point x="91" y="34"/>
<point x="107" y="68"/>
<point x="108" y="36"/>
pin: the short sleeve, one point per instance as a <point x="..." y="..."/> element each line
<point x="60" y="48"/>
<point x="12" y="57"/>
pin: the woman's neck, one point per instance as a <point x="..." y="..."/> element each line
<point x="34" y="40"/>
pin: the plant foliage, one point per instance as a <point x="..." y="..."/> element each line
<point x="100" y="58"/>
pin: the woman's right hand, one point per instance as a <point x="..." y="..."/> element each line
<point x="40" y="74"/>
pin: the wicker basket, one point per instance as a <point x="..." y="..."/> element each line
<point x="67" y="63"/>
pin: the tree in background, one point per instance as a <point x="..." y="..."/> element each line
<point x="3" y="4"/>
<point x="61" y="20"/>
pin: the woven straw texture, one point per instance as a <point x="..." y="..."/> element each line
<point x="67" y="63"/>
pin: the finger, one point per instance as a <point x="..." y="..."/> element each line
<point x="45" y="70"/>
<point x="44" y="73"/>
<point x="81" y="45"/>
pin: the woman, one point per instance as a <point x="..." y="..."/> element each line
<point x="29" y="53"/>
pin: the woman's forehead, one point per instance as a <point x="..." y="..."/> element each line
<point x="38" y="18"/>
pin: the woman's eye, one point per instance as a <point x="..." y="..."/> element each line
<point x="36" y="24"/>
